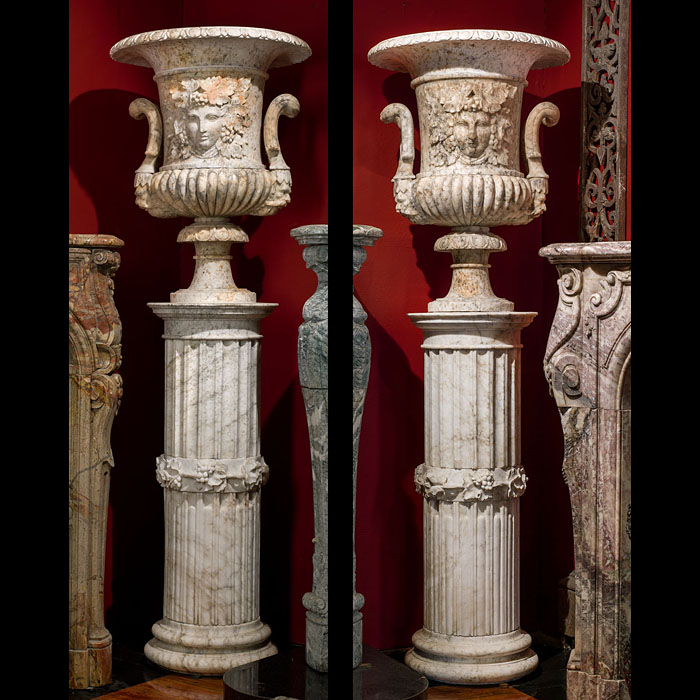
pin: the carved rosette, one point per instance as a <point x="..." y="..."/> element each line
<point x="588" y="367"/>
<point x="95" y="390"/>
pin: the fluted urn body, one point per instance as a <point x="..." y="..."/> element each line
<point x="207" y="137"/>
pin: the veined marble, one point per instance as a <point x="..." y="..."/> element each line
<point x="469" y="85"/>
<point x="313" y="376"/>
<point x="94" y="390"/>
<point x="471" y="480"/>
<point x="211" y="473"/>
<point x="588" y="365"/>
<point x="363" y="237"/>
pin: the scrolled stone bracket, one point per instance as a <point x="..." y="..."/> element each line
<point x="315" y="603"/>
<point x="211" y="475"/>
<point x="467" y="485"/>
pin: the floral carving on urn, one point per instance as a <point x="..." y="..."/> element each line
<point x="474" y="130"/>
<point x="212" y="118"/>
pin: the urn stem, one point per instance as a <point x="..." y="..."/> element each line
<point x="470" y="289"/>
<point x="212" y="281"/>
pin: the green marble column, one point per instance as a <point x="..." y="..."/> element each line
<point x="312" y="353"/>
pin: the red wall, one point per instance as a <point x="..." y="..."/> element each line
<point x="106" y="146"/>
<point x="402" y="274"/>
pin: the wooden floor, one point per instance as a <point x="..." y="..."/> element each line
<point x="174" y="687"/>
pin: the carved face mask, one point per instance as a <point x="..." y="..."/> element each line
<point x="472" y="133"/>
<point x="203" y="126"/>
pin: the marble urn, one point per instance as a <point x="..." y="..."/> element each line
<point x="469" y="87"/>
<point x="208" y="134"/>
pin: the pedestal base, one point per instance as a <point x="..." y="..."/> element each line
<point x="204" y="661"/>
<point x="317" y="642"/>
<point x="208" y="650"/>
<point x="357" y="646"/>
<point x="583" y="686"/>
<point x="472" y="660"/>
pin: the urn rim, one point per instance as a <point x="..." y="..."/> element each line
<point x="406" y="53"/>
<point x="292" y="48"/>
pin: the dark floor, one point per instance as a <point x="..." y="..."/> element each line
<point x="131" y="667"/>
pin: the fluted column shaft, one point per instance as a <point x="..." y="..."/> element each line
<point x="211" y="472"/>
<point x="471" y="480"/>
<point x="95" y="389"/>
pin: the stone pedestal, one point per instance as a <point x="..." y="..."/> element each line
<point x="469" y="85"/>
<point x="94" y="353"/>
<point x="313" y="377"/>
<point x="211" y="472"/>
<point x="362" y="237"/>
<point x="471" y="480"/>
<point x="588" y="366"/>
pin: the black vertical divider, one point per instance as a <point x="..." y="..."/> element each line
<point x="340" y="488"/>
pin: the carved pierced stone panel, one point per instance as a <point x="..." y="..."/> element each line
<point x="604" y="82"/>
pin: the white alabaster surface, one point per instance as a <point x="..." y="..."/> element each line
<point x="471" y="481"/>
<point x="482" y="597"/>
<point x="211" y="473"/>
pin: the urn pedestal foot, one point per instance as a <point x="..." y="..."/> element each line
<point x="472" y="660"/>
